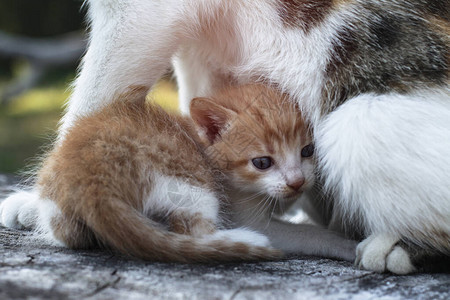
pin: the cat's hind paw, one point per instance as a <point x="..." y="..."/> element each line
<point x="19" y="211"/>
<point x="380" y="253"/>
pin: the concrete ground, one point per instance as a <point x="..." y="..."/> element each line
<point x="30" y="269"/>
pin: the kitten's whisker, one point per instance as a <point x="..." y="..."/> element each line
<point x="249" y="198"/>
<point x="269" y="219"/>
<point x="280" y="204"/>
<point x="264" y="207"/>
<point x="257" y="210"/>
<point x="269" y="216"/>
<point x="253" y="211"/>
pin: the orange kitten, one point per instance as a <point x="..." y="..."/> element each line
<point x="125" y="171"/>
<point x="262" y="145"/>
<point x="146" y="183"/>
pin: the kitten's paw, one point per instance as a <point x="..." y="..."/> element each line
<point x="19" y="210"/>
<point x="243" y="236"/>
<point x="379" y="253"/>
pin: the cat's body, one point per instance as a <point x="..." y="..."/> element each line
<point x="371" y="75"/>
<point x="139" y="180"/>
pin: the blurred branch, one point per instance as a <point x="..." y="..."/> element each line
<point x="27" y="80"/>
<point x="41" y="54"/>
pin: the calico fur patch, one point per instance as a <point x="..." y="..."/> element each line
<point x="382" y="50"/>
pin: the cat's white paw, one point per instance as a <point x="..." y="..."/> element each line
<point x="399" y="262"/>
<point x="378" y="253"/>
<point x="19" y="210"/>
<point x="244" y="236"/>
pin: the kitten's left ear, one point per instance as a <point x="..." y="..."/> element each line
<point x="212" y="118"/>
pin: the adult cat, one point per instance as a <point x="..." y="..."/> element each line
<point x="371" y="76"/>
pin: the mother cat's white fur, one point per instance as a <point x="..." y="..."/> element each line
<point x="397" y="182"/>
<point x="406" y="164"/>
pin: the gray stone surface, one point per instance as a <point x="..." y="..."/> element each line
<point x="30" y="269"/>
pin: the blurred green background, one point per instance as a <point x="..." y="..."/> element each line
<point x="34" y="87"/>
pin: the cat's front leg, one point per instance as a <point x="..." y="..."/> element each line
<point x="381" y="253"/>
<point x="195" y="76"/>
<point x="131" y="43"/>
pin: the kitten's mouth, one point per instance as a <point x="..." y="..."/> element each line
<point x="292" y="195"/>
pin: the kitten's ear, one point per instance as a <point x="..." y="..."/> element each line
<point x="210" y="117"/>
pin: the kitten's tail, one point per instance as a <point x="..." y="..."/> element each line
<point x="128" y="231"/>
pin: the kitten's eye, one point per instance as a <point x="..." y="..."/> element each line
<point x="262" y="163"/>
<point x="308" y="150"/>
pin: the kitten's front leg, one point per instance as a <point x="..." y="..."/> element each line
<point x="302" y="239"/>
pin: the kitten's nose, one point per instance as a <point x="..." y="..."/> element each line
<point x="297" y="184"/>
